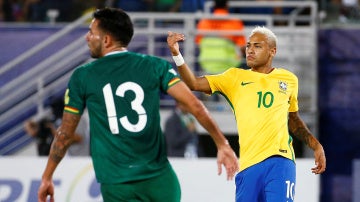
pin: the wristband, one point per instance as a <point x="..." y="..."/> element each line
<point x="178" y="59"/>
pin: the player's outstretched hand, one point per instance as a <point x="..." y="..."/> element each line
<point x="172" y="40"/>
<point x="226" y="157"/>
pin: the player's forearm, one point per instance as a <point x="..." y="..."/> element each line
<point x="305" y="136"/>
<point x="53" y="161"/>
<point x="185" y="72"/>
<point x="57" y="153"/>
<point x="204" y="118"/>
<point x="187" y="76"/>
<point x="61" y="143"/>
<point x="64" y="137"/>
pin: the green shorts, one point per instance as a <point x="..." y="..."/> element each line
<point x="162" y="188"/>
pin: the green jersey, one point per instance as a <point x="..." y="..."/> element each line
<point x="121" y="92"/>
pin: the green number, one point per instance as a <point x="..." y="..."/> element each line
<point x="265" y="100"/>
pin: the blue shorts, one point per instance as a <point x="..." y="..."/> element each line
<point x="272" y="180"/>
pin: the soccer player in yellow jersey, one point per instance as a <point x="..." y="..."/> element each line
<point x="264" y="101"/>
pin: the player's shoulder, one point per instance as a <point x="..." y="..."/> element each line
<point x="148" y="58"/>
<point x="84" y="67"/>
<point x="286" y="72"/>
<point x="142" y="55"/>
<point x="233" y="70"/>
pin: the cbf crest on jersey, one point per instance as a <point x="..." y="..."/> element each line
<point x="283" y="86"/>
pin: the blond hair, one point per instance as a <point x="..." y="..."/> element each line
<point x="272" y="39"/>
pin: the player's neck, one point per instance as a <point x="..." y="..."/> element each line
<point x="118" y="49"/>
<point x="264" y="70"/>
<point x="115" y="50"/>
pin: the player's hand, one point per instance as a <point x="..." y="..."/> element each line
<point x="320" y="160"/>
<point x="46" y="189"/>
<point x="226" y="157"/>
<point x="172" y="40"/>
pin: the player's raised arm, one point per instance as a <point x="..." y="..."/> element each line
<point x="194" y="82"/>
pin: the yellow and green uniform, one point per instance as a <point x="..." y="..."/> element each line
<point x="261" y="103"/>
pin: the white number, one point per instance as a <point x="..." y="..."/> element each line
<point x="110" y="109"/>
<point x="136" y="105"/>
<point x="290" y="189"/>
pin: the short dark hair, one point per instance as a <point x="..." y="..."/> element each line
<point x="115" y="22"/>
<point x="220" y="3"/>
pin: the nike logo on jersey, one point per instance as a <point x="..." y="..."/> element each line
<point x="246" y="83"/>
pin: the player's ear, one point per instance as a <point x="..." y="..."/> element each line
<point x="107" y="40"/>
<point x="273" y="51"/>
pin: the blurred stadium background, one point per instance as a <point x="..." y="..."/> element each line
<point x="318" y="40"/>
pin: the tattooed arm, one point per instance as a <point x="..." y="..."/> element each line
<point x="299" y="129"/>
<point x="63" y="139"/>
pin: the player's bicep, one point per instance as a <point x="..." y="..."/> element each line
<point x="296" y="124"/>
<point x="180" y="92"/>
<point x="203" y="85"/>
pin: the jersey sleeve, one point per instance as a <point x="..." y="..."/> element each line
<point x="74" y="95"/>
<point x="218" y="82"/>
<point x="169" y="76"/>
<point x="294" y="95"/>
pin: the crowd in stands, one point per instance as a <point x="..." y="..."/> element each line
<point x="69" y="10"/>
<point x="36" y="10"/>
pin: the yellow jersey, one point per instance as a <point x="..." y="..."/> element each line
<point x="261" y="103"/>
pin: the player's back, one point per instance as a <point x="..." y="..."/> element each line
<point x="122" y="97"/>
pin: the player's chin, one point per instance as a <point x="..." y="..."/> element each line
<point x="249" y="64"/>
